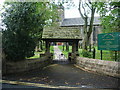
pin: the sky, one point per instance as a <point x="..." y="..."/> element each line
<point x="1" y="3"/>
<point x="73" y="11"/>
<point x="69" y="13"/>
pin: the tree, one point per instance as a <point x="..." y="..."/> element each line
<point x="24" y="24"/>
<point x="110" y="16"/>
<point x="87" y="7"/>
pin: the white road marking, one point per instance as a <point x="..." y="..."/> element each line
<point x="35" y="84"/>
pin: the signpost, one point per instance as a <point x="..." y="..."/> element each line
<point x="109" y="41"/>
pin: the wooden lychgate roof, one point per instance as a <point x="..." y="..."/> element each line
<point x="61" y="33"/>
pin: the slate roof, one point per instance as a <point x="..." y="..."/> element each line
<point x="61" y="33"/>
<point x="78" y="21"/>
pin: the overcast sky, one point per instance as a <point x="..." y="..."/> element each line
<point x="69" y="13"/>
<point x="73" y="11"/>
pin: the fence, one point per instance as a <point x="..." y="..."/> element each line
<point x="101" y="54"/>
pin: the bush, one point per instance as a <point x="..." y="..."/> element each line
<point x="17" y="46"/>
<point x="86" y="53"/>
<point x="24" y="22"/>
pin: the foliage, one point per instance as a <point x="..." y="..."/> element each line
<point x="86" y="53"/>
<point x="17" y="46"/>
<point x="24" y="24"/>
<point x="118" y="56"/>
<point x="110" y="16"/>
<point x="36" y="55"/>
<point x="51" y="49"/>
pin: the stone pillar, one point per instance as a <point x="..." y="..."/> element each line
<point x="47" y="51"/>
<point x="73" y="54"/>
<point x="74" y="47"/>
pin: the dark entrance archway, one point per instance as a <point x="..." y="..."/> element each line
<point x="74" y="46"/>
<point x="61" y="34"/>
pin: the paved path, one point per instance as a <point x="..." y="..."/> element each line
<point x="65" y="75"/>
<point x="57" y="54"/>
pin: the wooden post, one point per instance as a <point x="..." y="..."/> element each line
<point x="115" y="55"/>
<point x="41" y="44"/>
<point x="74" y="47"/>
<point x="67" y="46"/>
<point x="101" y="54"/>
<point x="77" y="46"/>
<point x="47" y="44"/>
<point x="63" y="46"/>
<point x="94" y="53"/>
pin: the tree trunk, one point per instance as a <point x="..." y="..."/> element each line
<point x="90" y="28"/>
<point x="85" y="34"/>
<point x="91" y="24"/>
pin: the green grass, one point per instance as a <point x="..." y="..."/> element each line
<point x="51" y="49"/>
<point x="106" y="54"/>
<point x="36" y="55"/>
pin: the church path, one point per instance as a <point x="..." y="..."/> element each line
<point x="66" y="75"/>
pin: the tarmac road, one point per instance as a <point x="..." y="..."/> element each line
<point x="65" y="75"/>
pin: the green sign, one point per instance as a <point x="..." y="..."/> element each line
<point x="109" y="41"/>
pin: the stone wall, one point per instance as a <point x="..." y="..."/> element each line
<point x="26" y="65"/>
<point x="111" y="68"/>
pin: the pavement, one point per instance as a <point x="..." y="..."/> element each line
<point x="62" y="76"/>
<point x="58" y="54"/>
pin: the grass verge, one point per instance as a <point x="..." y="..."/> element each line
<point x="106" y="54"/>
